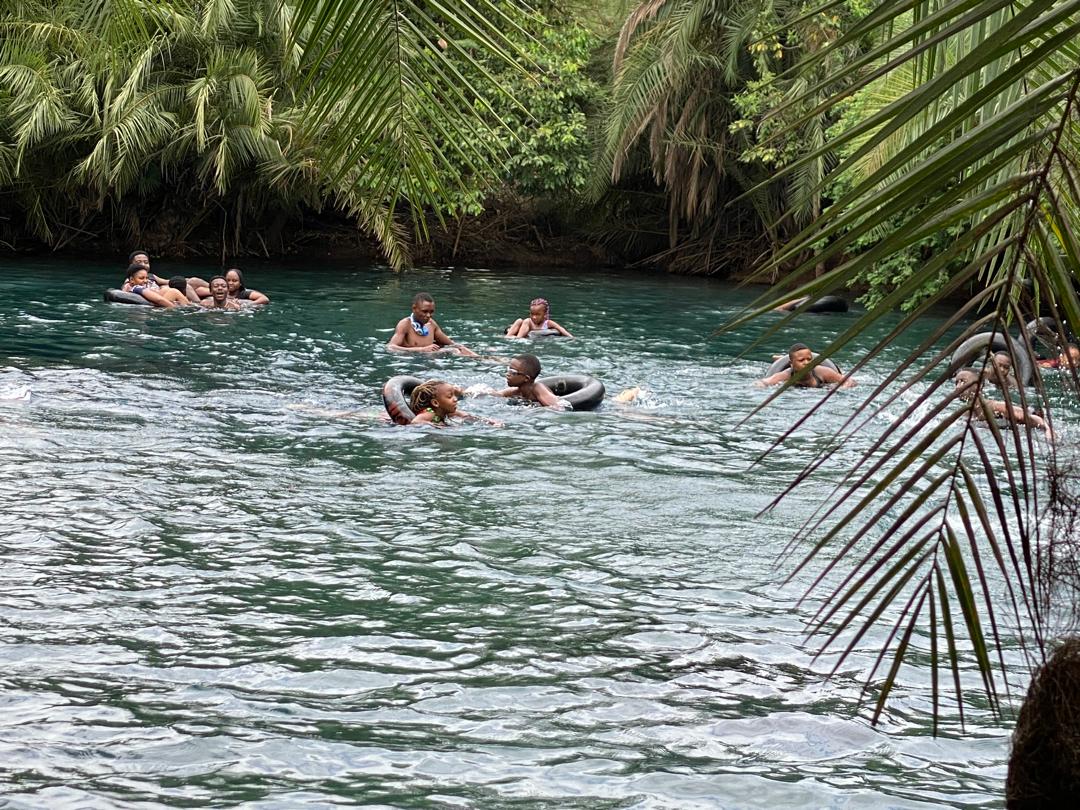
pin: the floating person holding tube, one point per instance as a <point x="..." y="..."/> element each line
<point x="435" y="403"/>
<point x="139" y="282"/>
<point x="521" y="377"/>
<point x="420" y="333"/>
<point x="799" y="357"/>
<point x="539" y="321"/>
<point x="969" y="383"/>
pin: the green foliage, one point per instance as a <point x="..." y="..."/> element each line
<point x="538" y="118"/>
<point x="240" y="113"/>
<point x="962" y="150"/>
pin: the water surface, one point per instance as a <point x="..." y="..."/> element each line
<point x="215" y="593"/>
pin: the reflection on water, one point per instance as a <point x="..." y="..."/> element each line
<point x="213" y="593"/>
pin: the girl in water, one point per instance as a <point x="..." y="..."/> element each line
<point x="539" y="312"/>
<point x="434" y="402"/>
<point x="140" y="283"/>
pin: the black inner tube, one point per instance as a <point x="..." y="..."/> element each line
<point x="977" y="346"/>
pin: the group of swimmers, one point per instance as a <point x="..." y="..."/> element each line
<point x="220" y="292"/>
<point x="435" y="401"/>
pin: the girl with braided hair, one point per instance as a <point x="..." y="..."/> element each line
<point x="538" y="321"/>
<point x="435" y="401"/>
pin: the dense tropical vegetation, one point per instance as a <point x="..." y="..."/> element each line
<point x="913" y="149"/>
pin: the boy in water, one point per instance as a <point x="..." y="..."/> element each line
<point x="521" y="376"/>
<point x="968" y="386"/>
<point x="799" y="357"/>
<point x="420" y="333"/>
<point x="219" y="295"/>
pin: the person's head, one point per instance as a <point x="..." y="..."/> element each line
<point x="219" y="288"/>
<point x="1002" y="362"/>
<point x="523" y="369"/>
<point x="235" y="279"/>
<point x="1070" y="358"/>
<point x="423" y="307"/>
<point x="800" y="356"/>
<point x="137" y="273"/>
<point x="434" y="394"/>
<point x="179" y="283"/>
<point x="539" y="309"/>
<point x="966" y="381"/>
<point x="140" y="257"/>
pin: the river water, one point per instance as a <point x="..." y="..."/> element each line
<point x="215" y="591"/>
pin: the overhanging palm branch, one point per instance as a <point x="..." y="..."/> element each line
<point x="939" y="529"/>
<point x="389" y="79"/>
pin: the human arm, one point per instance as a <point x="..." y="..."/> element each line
<point x="155" y="298"/>
<point x="558" y="328"/>
<point x="442" y="339"/>
<point x="833" y="377"/>
<point x="791" y="306"/>
<point x="1017" y="414"/>
<point x="256" y="297"/>
<point x="512" y="330"/>
<point x="399" y="341"/>
<point x="546" y="398"/>
<point x="774" y="379"/>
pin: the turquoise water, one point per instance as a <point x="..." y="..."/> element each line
<point x="216" y="592"/>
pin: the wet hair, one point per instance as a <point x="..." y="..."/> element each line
<point x="179" y="283"/>
<point x="966" y="378"/>
<point x="424" y="394"/>
<point x="796" y="347"/>
<point x="422" y="298"/>
<point x="134" y="253"/>
<point x="210" y="283"/>
<point x="530" y="365"/>
<point x="239" y="276"/>
<point x="541" y="302"/>
<point x="135" y="268"/>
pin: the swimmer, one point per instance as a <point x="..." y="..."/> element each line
<point x="800" y="356"/>
<point x="791" y="306"/>
<point x="539" y="318"/>
<point x="235" y="279"/>
<point x="521" y="376"/>
<point x="420" y="333"/>
<point x="219" y="296"/>
<point x="435" y="402"/>
<point x="140" y="283"/>
<point x="141" y="257"/>
<point x="968" y="384"/>
<point x="1069" y="358"/>
<point x="181" y="283"/>
<point x="999" y="372"/>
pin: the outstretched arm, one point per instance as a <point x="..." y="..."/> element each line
<point x="834" y="377"/>
<point x="558" y="328"/>
<point x="773" y="379"/>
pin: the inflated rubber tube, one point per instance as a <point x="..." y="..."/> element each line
<point x="549" y="332"/>
<point x="581" y="391"/>
<point x="121" y="297"/>
<point x="784" y="363"/>
<point x="976" y="345"/>
<point x="395" y="397"/>
<point x="1043" y="334"/>
<point x="828" y="303"/>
